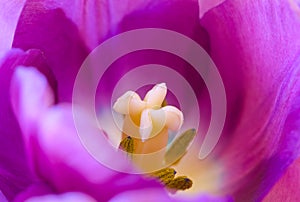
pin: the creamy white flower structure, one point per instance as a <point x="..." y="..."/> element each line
<point x="147" y="120"/>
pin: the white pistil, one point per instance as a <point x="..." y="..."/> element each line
<point x="146" y="125"/>
<point x="155" y="97"/>
<point x="148" y="115"/>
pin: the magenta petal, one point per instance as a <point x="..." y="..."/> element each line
<point x="30" y="100"/>
<point x="66" y="197"/>
<point x="206" y="5"/>
<point x="15" y="174"/>
<point x="161" y="195"/>
<point x="180" y="16"/>
<point x="2" y="197"/>
<point x="261" y="179"/>
<point x="32" y="105"/>
<point x="48" y="29"/>
<point x="94" y="20"/>
<point x="257" y="54"/>
<point x="8" y="22"/>
<point x="135" y="196"/>
<point x="66" y="31"/>
<point x="58" y="156"/>
<point x="37" y="189"/>
<point x="287" y="188"/>
<point x="63" y="160"/>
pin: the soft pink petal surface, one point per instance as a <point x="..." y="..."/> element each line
<point x="15" y="174"/>
<point x="58" y="155"/>
<point x="257" y="54"/>
<point x="34" y="190"/>
<point x="149" y="195"/>
<point x="42" y="22"/>
<point x="287" y="188"/>
<point x="206" y="5"/>
<point x="46" y="27"/>
<point x="9" y="16"/>
<point x="84" y="25"/>
<point x="33" y="105"/>
<point x="66" y="197"/>
<point x="255" y="50"/>
<point x="2" y="197"/>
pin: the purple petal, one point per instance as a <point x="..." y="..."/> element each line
<point x="66" y="33"/>
<point x="287" y="188"/>
<point x="2" y="197"/>
<point x="257" y="54"/>
<point x="65" y="162"/>
<point x="31" y="105"/>
<point x="254" y="49"/>
<point x="15" y="174"/>
<point x="58" y="155"/>
<point x="9" y="16"/>
<point x="295" y="4"/>
<point x="261" y="179"/>
<point x="161" y="195"/>
<point x="66" y="197"/>
<point x="46" y="27"/>
<point x="134" y="196"/>
<point x="206" y="5"/>
<point x="157" y="14"/>
<point x="36" y="189"/>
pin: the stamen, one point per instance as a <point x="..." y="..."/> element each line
<point x="180" y="183"/>
<point x="165" y="175"/>
<point x="153" y="116"/>
<point x="127" y="145"/>
<point x="178" y="147"/>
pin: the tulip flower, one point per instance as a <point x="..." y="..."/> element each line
<point x="254" y="45"/>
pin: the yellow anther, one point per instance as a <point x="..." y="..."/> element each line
<point x="165" y="175"/>
<point x="179" y="146"/>
<point x="180" y="183"/>
<point x="127" y="145"/>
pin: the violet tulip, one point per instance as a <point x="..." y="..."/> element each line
<point x="255" y="46"/>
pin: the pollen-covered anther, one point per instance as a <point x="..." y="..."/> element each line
<point x="165" y="175"/>
<point x="127" y="145"/>
<point x="180" y="183"/>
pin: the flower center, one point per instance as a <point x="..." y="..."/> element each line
<point x="145" y="130"/>
<point x="148" y="119"/>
